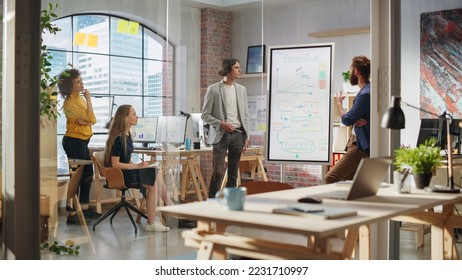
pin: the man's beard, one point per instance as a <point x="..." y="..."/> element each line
<point x="354" y="79"/>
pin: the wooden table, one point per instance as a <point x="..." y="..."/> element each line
<point x="212" y="239"/>
<point x="191" y="173"/>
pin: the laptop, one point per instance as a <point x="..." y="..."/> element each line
<point x="366" y="182"/>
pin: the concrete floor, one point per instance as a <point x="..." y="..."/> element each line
<point x="119" y="242"/>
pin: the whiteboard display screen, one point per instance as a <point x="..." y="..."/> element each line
<point x="299" y="123"/>
<point x="171" y="129"/>
<point x="145" y="130"/>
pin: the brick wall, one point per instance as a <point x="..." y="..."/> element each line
<point x="215" y="46"/>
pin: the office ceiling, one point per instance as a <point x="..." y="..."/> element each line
<point x="237" y="5"/>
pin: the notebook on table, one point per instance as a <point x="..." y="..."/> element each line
<point x="366" y="181"/>
<point x="315" y="211"/>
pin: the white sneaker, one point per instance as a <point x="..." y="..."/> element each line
<point x="156" y="226"/>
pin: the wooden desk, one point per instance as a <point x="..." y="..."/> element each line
<point x="212" y="240"/>
<point x="191" y="173"/>
<point x="442" y="222"/>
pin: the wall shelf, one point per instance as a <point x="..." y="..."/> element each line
<point x="248" y="76"/>
<point x="340" y="32"/>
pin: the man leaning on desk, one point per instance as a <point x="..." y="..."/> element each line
<point x="226" y="111"/>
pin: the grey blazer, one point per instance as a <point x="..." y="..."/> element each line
<point x="214" y="110"/>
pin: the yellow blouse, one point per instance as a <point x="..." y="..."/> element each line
<point x="75" y="108"/>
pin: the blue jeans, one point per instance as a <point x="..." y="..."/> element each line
<point x="78" y="149"/>
<point x="231" y="144"/>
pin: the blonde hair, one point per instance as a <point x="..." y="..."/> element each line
<point x="118" y="127"/>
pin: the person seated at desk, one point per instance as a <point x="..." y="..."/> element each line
<point x="119" y="149"/>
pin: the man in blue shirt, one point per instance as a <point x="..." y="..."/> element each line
<point x="358" y="116"/>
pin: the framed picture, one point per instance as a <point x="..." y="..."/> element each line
<point x="255" y="59"/>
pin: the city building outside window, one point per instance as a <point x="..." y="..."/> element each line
<point x="121" y="62"/>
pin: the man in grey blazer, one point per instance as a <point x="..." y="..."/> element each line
<point x="226" y="111"/>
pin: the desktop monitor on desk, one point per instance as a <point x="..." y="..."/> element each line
<point x="145" y="131"/>
<point x="197" y="127"/>
<point x="171" y="129"/>
<point x="436" y="128"/>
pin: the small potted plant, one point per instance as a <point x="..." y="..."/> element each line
<point x="347" y="87"/>
<point x="423" y="161"/>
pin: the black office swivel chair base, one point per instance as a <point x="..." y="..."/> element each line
<point x="123" y="203"/>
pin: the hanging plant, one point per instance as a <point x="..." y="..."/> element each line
<point x="48" y="83"/>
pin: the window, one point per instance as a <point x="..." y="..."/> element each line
<point x="121" y="62"/>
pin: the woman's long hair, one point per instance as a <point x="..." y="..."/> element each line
<point x="118" y="128"/>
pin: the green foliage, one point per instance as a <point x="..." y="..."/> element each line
<point x="61" y="249"/>
<point x="422" y="159"/>
<point x="346" y="75"/>
<point x="48" y="83"/>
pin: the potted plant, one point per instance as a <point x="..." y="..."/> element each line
<point x="347" y="87"/>
<point x="423" y="161"/>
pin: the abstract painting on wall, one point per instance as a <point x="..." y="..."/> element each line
<point x="441" y="63"/>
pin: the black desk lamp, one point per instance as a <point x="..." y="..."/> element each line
<point x="107" y="125"/>
<point x="393" y="118"/>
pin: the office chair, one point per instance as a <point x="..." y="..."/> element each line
<point x="115" y="180"/>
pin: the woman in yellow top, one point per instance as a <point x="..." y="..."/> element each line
<point x="79" y="120"/>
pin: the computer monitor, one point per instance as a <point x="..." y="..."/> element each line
<point x="455" y="131"/>
<point x="437" y="128"/>
<point x="145" y="131"/>
<point x="171" y="129"/>
<point x="197" y="127"/>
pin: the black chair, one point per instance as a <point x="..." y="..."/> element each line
<point x="115" y="180"/>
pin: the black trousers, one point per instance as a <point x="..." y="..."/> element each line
<point x="78" y="149"/>
<point x="230" y="145"/>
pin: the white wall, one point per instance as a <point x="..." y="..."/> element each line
<point x="290" y="25"/>
<point x="410" y="59"/>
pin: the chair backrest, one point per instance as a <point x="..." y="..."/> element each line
<point x="114" y="176"/>
<point x="254" y="187"/>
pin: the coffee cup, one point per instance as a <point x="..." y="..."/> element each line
<point x="234" y="198"/>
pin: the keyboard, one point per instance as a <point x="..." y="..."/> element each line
<point x="145" y="148"/>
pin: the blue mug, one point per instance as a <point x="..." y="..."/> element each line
<point x="187" y="144"/>
<point x="234" y="198"/>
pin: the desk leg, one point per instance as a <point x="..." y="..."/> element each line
<point x="201" y="180"/>
<point x="262" y="169"/>
<point x="184" y="182"/>
<point x="364" y="243"/>
<point x="195" y="182"/>
<point x="205" y="251"/>
<point x="437" y="244"/>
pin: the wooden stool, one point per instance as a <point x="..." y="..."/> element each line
<point x="75" y="172"/>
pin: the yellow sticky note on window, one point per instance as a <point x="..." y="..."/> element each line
<point x="133" y="27"/>
<point x="79" y="38"/>
<point x="122" y="26"/>
<point x="92" y="40"/>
